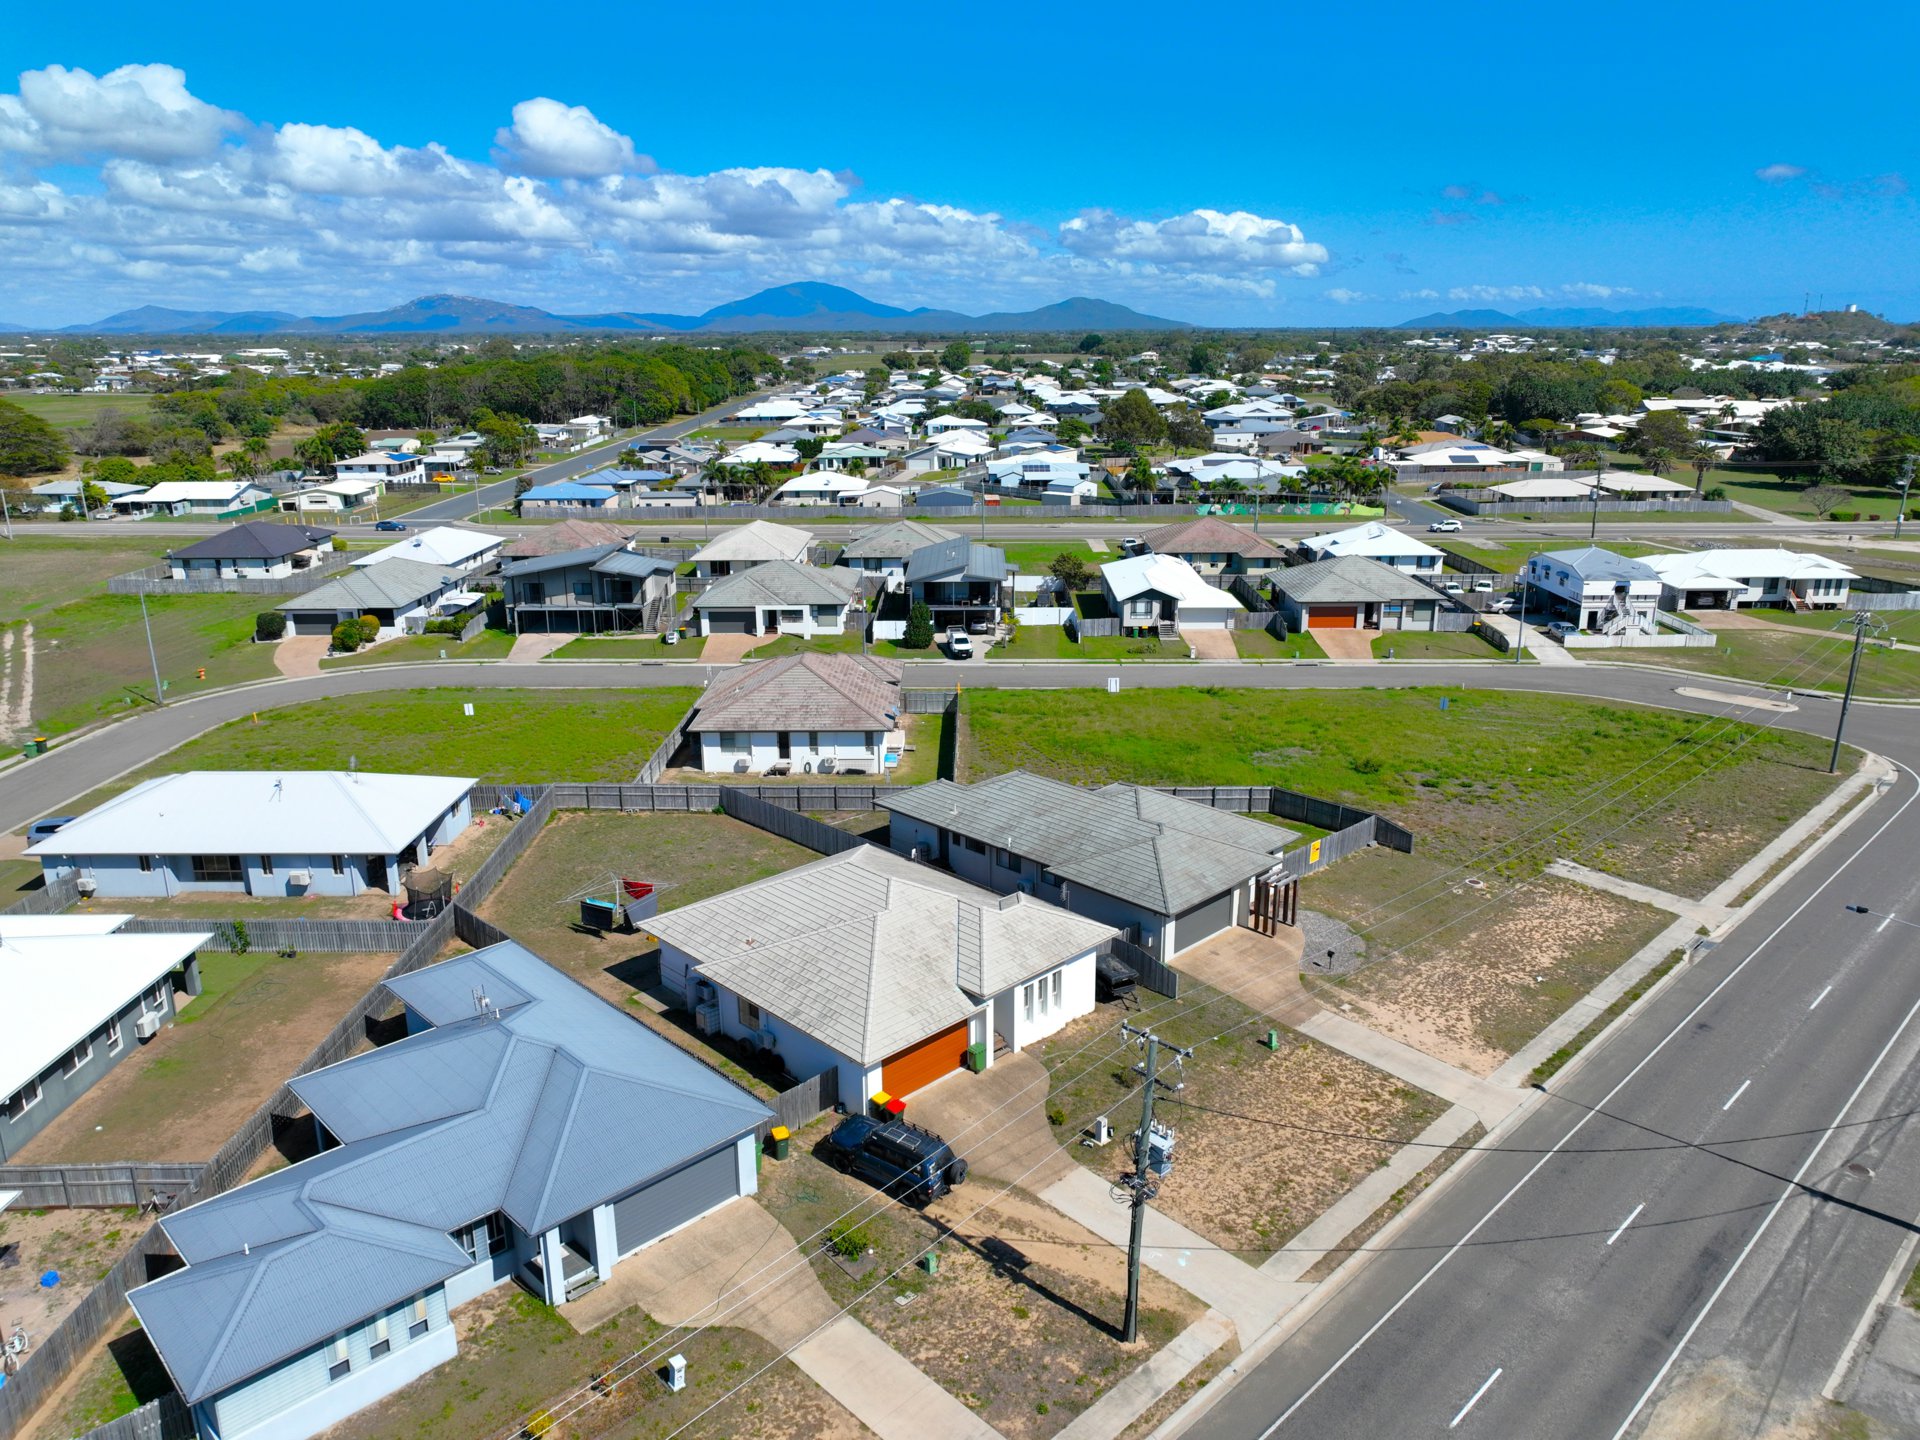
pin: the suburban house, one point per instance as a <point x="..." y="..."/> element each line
<point x="383" y="468"/>
<point x="1375" y="541"/>
<point x="1168" y="873"/>
<point x="259" y="832"/>
<point x="565" y="535"/>
<point x="758" y="542"/>
<point x="394" y="592"/>
<point x="961" y="581"/>
<point x="820" y="487"/>
<point x="332" y="497"/>
<point x="602" y="587"/>
<point x="947" y="497"/>
<point x="884" y="549"/>
<point x="842" y="454"/>
<point x="1729" y="579"/>
<point x="1595" y="589"/>
<point x="80" y="998"/>
<point x="59" y="494"/>
<point x="1353" y="592"/>
<point x="522" y="1130"/>
<point x="1070" y="490"/>
<point x="1214" y="547"/>
<point x="1164" y="590"/>
<point x="883" y="970"/>
<point x="251" y="550"/>
<point x="806" y="712"/>
<point x="216" y="499"/>
<point x="567" y="495"/>
<point x="448" y="546"/>
<point x="780" y="596"/>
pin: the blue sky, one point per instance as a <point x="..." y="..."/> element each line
<point x="1269" y="167"/>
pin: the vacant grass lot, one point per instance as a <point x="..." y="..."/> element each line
<point x="181" y="1094"/>
<point x="1508" y="556"/>
<point x="1051" y="642"/>
<point x="47" y="568"/>
<point x="1421" y="645"/>
<point x="1035" y="557"/>
<point x="1263" y="645"/>
<point x="1677" y="801"/>
<point x="1815" y="660"/>
<point x="513" y="735"/>
<point x="426" y="649"/>
<point x="1899" y="626"/>
<point x="76" y="412"/>
<point x="1782" y="492"/>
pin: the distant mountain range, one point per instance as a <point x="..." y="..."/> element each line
<point x="1567" y="317"/>
<point x="805" y="306"/>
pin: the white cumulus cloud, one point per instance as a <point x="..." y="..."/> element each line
<point x="1236" y="240"/>
<point x="144" y="111"/>
<point x="551" y="139"/>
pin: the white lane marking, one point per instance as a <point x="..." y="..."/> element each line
<point x="1821" y="996"/>
<point x="1580" y="1124"/>
<point x="1736" y="1094"/>
<point x="1626" y="1222"/>
<point x="1485" y="1386"/>
<point x="1883" y="924"/>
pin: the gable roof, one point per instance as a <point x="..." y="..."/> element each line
<point x="1154" y="849"/>
<point x="378" y="587"/>
<point x="779" y="582"/>
<point x="895" y="541"/>
<point x="961" y="558"/>
<point x="586" y="557"/>
<point x="1208" y="535"/>
<point x="808" y="691"/>
<point x="269" y="812"/>
<point x="442" y="545"/>
<point x="868" y="951"/>
<point x="1371" y="539"/>
<point x="756" y="540"/>
<point x="1165" y="575"/>
<point x="255" y="540"/>
<point x="549" y="1104"/>
<point x="1348" y="580"/>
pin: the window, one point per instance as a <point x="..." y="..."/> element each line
<point x="339" y="864"/>
<point x="1005" y="859"/>
<point x="381" y="1343"/>
<point x="156" y="998"/>
<point x="749" y="1013"/>
<point x="1056" y="989"/>
<point x="22" y="1100"/>
<point x="967" y="842"/>
<point x="146" y="864"/>
<point x="484" y="1237"/>
<point x="417" y="1321"/>
<point x="116" y="1037"/>
<point x="266" y="864"/>
<point x="1026" y="1001"/>
<point x="80" y="1055"/>
<point x="338" y="1365"/>
<point x="216" y="869"/>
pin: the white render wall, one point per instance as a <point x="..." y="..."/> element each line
<point x="843" y="747"/>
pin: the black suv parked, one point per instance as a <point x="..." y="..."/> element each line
<point x="905" y="1161"/>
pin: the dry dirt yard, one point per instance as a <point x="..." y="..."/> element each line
<point x="1474" y="972"/>
<point x="82" y="1245"/>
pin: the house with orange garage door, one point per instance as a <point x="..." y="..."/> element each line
<point x="891" y="972"/>
<point x="1352" y="592"/>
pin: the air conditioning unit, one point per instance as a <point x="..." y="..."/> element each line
<point x="764" y="1038"/>
<point x="300" y="877"/>
<point x="86" y="884"/>
<point x="148" y="1025"/>
<point x="706" y="1019"/>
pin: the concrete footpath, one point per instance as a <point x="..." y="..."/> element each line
<point x="885" y="1391"/>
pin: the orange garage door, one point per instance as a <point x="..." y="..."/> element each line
<point x="926" y="1062"/>
<point x="1333" y="617"/>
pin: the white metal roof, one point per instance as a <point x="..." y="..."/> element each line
<point x="61" y="988"/>
<point x="1686" y="570"/>
<point x="264" y="812"/>
<point x="1165" y="575"/>
<point x="757" y="540"/>
<point x="443" y="545"/>
<point x="1372" y="540"/>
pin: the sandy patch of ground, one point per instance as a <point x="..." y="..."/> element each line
<point x="82" y="1245"/>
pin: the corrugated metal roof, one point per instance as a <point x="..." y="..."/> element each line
<point x="804" y="692"/>
<point x="960" y="558"/>
<point x="635" y="566"/>
<point x="779" y="582"/>
<point x="557" y="1103"/>
<point x="1160" y="852"/>
<point x="587" y="556"/>
<point x="1592" y="563"/>
<point x="869" y="952"/>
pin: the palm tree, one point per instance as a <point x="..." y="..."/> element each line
<point x="315" y="455"/>
<point x="1703" y="456"/>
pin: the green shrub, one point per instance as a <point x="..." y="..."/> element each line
<point x="1843" y="515"/>
<point x="444" y="625"/>
<point x="339" y="543"/>
<point x="346" y="637"/>
<point x="1715" y="492"/>
<point x="919" y="627"/>
<point x="848" y="1240"/>
<point x="269" y="625"/>
<point x="237" y="930"/>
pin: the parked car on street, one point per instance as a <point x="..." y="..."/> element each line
<point x="388" y="525"/>
<point x="1443" y="525"/>
<point x="1561" y="629"/>
<point x="959" y="646"/>
<point x="1502" y="605"/>
<point x="902" y="1159"/>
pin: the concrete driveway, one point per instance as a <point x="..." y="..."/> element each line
<point x="731" y="649"/>
<point x="529" y="648"/>
<point x="997" y="1120"/>
<point x="1211" y="644"/>
<point x="1347" y="644"/>
<point x="300" y="655"/>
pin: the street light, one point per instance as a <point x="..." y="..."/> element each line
<point x="1906" y="484"/>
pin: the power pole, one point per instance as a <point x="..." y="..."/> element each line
<point x="1862" y="622"/>
<point x="1141" y="1183"/>
<point x="159" y="685"/>
<point x="1906" y="484"/>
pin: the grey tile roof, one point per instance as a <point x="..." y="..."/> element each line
<point x="779" y="582"/>
<point x="559" y="560"/>
<point x="557" y="1103"/>
<point x="807" y="691"/>
<point x="870" y="952"/>
<point x="255" y="540"/>
<point x="1592" y="563"/>
<point x="960" y="558"/>
<point x="1208" y="536"/>
<point x="895" y="541"/>
<point x="757" y="540"/>
<point x="1155" y="850"/>
<point x="381" y="587"/>
<point x="1348" y="580"/>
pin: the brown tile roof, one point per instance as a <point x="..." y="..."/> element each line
<point x="808" y="691"/>
<point x="1208" y="536"/>
<point x="567" y="535"/>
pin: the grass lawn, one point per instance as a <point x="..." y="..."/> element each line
<point x="1782" y="492"/>
<point x="487" y="645"/>
<point x="17" y="877"/>
<point x="518" y="1356"/>
<point x="1035" y="557"/>
<point x="49" y="566"/>
<point x="600" y="647"/>
<point x="1050" y="642"/>
<point x="1264" y="645"/>
<point x="848" y="643"/>
<point x="116" y="1380"/>
<point x="91" y="660"/>
<point x="1248" y="1186"/>
<point x="513" y="735"/>
<point x="1475" y="774"/>
<point x="76" y="412"/>
<point x="1815" y="660"/>
<point x="729" y="432"/>
<point x="1900" y="626"/>
<point x="1423" y="645"/>
<point x="1508" y="556"/>
<point x="181" y="1094"/>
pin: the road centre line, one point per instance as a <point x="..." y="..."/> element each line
<point x="1626" y="1222"/>
<point x="1737" y="1094"/>
<point x="1821" y="996"/>
<point x="1485" y="1386"/>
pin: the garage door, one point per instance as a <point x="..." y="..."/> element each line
<point x="1333" y="617"/>
<point x="310" y="622"/>
<point x="1198" y="923"/>
<point x="655" y="1208"/>
<point x="926" y="1062"/>
<point x="730" y="622"/>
